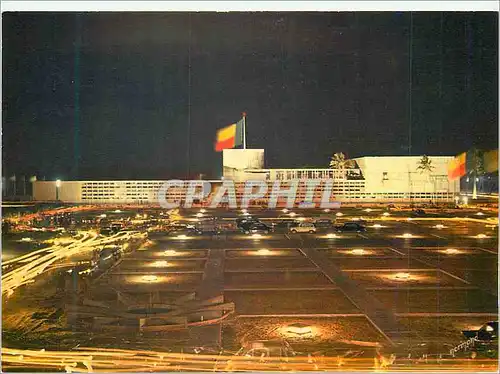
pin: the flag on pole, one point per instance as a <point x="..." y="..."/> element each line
<point x="230" y="136"/>
<point x="456" y="167"/>
<point x="490" y="161"/>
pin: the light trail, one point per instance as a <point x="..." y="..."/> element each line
<point x="38" y="264"/>
<point x="121" y="360"/>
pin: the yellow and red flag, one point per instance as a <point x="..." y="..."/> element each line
<point x="490" y="161"/>
<point x="230" y="136"/>
<point x="456" y="167"/>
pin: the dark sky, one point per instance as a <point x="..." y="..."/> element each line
<point x="311" y="83"/>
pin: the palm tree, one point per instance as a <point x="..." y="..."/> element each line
<point x="476" y="167"/>
<point x="339" y="162"/>
<point x="425" y="166"/>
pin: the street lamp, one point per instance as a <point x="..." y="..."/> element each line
<point x="58" y="186"/>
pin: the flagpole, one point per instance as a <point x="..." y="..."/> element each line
<point x="244" y="130"/>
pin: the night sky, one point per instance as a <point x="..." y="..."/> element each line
<point x="311" y="83"/>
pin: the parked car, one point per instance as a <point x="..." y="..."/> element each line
<point x="351" y="227"/>
<point x="303" y="227"/>
<point x="487" y="333"/>
<point x="323" y="223"/>
<point x="257" y="228"/>
<point x="285" y="224"/>
<point x="245" y="220"/>
<point x="106" y="231"/>
<point x="418" y="213"/>
<point x="183" y="230"/>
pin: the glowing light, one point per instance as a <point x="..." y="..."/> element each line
<point x="465" y="200"/>
<point x="377" y="226"/>
<point x="299" y="329"/>
<point x="103" y="215"/>
<point x="199" y="215"/>
<point x="285" y="210"/>
<point x="451" y="251"/>
<point x="402" y="276"/>
<point x="481" y="236"/>
<point x="202" y="210"/>
<point x="489" y="328"/>
<point x="160" y="264"/>
<point x="26" y="239"/>
<point x="58" y="183"/>
<point x="244" y="211"/>
<point x="407" y="235"/>
<point x="439" y="226"/>
<point x="358" y="251"/>
<point x="182" y="236"/>
<point x="301" y="218"/>
<point x="339" y="214"/>
<point x="246" y="214"/>
<point x="263" y="252"/>
<point x="256" y="236"/>
<point x="326" y="210"/>
<point x="479" y="214"/>
<point x="170" y="252"/>
<point x="118" y="211"/>
<point x="409" y="219"/>
<point x="331" y="236"/>
<point x="292" y="214"/>
<point x="149" y="278"/>
<point x="368" y="210"/>
<point x="386" y="214"/>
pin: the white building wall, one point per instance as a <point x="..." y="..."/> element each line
<point x="384" y="179"/>
<point x="236" y="161"/>
<point x="400" y="174"/>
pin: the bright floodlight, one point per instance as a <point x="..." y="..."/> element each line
<point x="160" y="264"/>
<point x="407" y="235"/>
<point x="451" y="251"/>
<point x="377" y="225"/>
<point x="439" y="226"/>
<point x="149" y="278"/>
<point x="58" y="183"/>
<point x="481" y="236"/>
<point x="402" y="276"/>
<point x="118" y="211"/>
<point x="386" y="214"/>
<point x="299" y="329"/>
<point x="368" y="210"/>
<point x="358" y="251"/>
<point x="26" y="239"/>
<point x="339" y="214"/>
<point x="479" y="214"/>
<point x="263" y="252"/>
